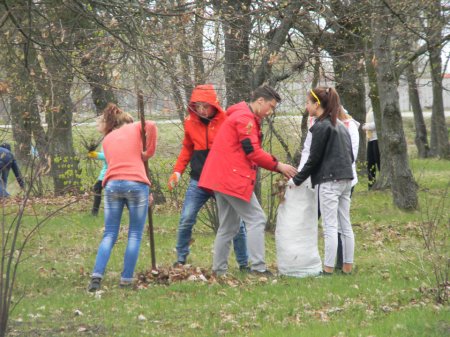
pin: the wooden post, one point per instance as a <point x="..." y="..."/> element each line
<point x="151" y="235"/>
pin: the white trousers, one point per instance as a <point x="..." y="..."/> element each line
<point x="334" y="198"/>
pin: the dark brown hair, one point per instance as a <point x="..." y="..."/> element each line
<point x="329" y="100"/>
<point x="266" y="92"/>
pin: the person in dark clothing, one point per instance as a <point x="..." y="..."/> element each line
<point x="373" y="152"/>
<point x="8" y="162"/>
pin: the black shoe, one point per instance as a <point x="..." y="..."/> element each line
<point x="125" y="284"/>
<point x="325" y="273"/>
<point x="266" y="273"/>
<point x="94" y="212"/>
<point x="94" y="285"/>
<point x="245" y="269"/>
<point x="178" y="264"/>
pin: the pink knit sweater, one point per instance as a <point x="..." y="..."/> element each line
<point x="122" y="149"/>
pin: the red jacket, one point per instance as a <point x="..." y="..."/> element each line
<point x="198" y="136"/>
<point x="235" y="155"/>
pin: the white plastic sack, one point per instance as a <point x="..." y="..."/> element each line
<point x="296" y="233"/>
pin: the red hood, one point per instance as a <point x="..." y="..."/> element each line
<point x="204" y="93"/>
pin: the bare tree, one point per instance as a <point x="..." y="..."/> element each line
<point x="340" y="33"/>
<point x="439" y="135"/>
<point x="236" y="25"/>
<point x="421" y="138"/>
<point x="15" y="238"/>
<point x="403" y="185"/>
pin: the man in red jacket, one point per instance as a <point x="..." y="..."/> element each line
<point x="200" y="128"/>
<point x="230" y="171"/>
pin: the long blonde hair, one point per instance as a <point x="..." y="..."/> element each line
<point x="343" y="115"/>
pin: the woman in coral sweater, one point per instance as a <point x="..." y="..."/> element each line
<point x="125" y="183"/>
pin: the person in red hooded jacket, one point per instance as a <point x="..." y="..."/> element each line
<point x="230" y="171"/>
<point x="200" y="129"/>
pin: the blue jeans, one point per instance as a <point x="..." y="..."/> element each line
<point x="194" y="199"/>
<point x="119" y="193"/>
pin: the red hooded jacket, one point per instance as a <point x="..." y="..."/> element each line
<point x="235" y="155"/>
<point x="199" y="136"/>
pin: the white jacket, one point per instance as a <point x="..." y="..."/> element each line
<point x="370" y="127"/>
<point x="307" y="144"/>
<point x="352" y="127"/>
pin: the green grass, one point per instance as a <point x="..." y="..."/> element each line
<point x="389" y="295"/>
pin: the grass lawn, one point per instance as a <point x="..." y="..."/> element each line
<point x="391" y="293"/>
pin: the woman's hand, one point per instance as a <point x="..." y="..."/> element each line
<point x="144" y="156"/>
<point x="150" y="199"/>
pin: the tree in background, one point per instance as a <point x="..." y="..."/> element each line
<point x="166" y="47"/>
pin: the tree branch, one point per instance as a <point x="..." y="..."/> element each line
<point x="277" y="41"/>
<point x="414" y="55"/>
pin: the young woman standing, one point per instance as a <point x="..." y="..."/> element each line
<point x="330" y="166"/>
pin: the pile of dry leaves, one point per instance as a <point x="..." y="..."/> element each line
<point x="189" y="273"/>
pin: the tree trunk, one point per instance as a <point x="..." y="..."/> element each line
<point x="304" y="125"/>
<point x="384" y="177"/>
<point x="345" y="47"/>
<point x="349" y="78"/>
<point x="98" y="80"/>
<point x="186" y="75"/>
<point x="280" y="34"/>
<point x="421" y="139"/>
<point x="199" y="24"/>
<point x="236" y="26"/>
<point x="439" y="134"/>
<point x="26" y="124"/>
<point x="403" y="186"/>
<point x="64" y="163"/>
<point x="23" y="102"/>
<point x="178" y="98"/>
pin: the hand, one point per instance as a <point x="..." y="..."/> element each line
<point x="144" y="156"/>
<point x="21" y="183"/>
<point x="173" y="180"/>
<point x="92" y="154"/>
<point x="364" y="126"/>
<point x="290" y="183"/>
<point x="287" y="170"/>
<point x="150" y="199"/>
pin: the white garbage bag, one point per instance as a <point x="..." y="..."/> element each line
<point x="296" y="232"/>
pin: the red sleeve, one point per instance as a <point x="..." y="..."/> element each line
<point x="248" y="133"/>
<point x="185" y="154"/>
<point x="151" y="136"/>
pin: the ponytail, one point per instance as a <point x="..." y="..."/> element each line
<point x="329" y="100"/>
